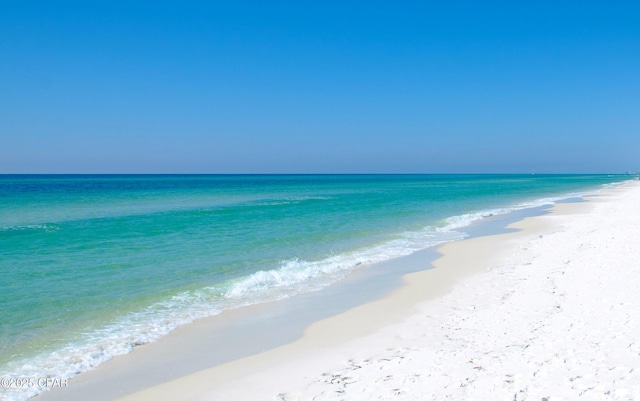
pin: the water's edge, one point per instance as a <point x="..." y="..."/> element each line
<point x="253" y="329"/>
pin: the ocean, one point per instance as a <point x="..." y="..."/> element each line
<point x="93" y="265"/>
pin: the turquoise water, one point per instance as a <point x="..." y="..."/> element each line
<point x="91" y="266"/>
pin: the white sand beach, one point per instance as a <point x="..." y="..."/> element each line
<point x="546" y="313"/>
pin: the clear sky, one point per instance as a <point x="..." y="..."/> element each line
<point x="319" y="87"/>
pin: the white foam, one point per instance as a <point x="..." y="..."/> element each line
<point x="464" y="220"/>
<point x="296" y="275"/>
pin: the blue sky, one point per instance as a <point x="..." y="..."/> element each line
<point x="319" y="87"/>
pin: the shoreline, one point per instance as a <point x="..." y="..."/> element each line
<point x="355" y="325"/>
<point x="401" y="360"/>
<point x="256" y="328"/>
